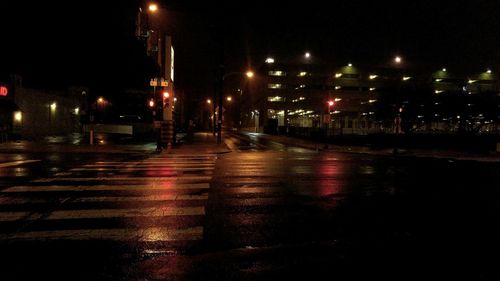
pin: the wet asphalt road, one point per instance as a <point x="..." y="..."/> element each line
<point x="263" y="212"/>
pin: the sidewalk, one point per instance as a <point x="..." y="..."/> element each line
<point x="201" y="143"/>
<point x="434" y="153"/>
<point x="40" y="147"/>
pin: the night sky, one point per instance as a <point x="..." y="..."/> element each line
<point x="90" y="43"/>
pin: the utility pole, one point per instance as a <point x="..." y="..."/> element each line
<point x="168" y="96"/>
<point x="221" y="90"/>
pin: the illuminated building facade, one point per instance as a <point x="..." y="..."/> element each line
<point x="352" y="99"/>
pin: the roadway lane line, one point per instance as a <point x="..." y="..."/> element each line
<point x="17" y="163"/>
<point x="154" y="234"/>
<point x="148" y="187"/>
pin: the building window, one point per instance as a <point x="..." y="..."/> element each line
<point x="277" y="73"/>
<point x="302" y="74"/>
<point x="299" y="99"/>
<point x="275" y="99"/>
<point x="275" y="86"/>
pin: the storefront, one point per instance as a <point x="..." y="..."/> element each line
<point x="10" y="114"/>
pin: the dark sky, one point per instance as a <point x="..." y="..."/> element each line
<point x="89" y="42"/>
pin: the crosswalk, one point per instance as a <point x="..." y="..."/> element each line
<point x="158" y="199"/>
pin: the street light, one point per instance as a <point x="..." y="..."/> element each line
<point x="249" y="74"/>
<point x="153" y="7"/>
<point x="398" y="59"/>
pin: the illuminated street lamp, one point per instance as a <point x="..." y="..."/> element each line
<point x="229" y="98"/>
<point x="398" y="59"/>
<point x="153" y="7"/>
<point x="249" y="74"/>
<point x="209" y="101"/>
<point x="307" y="55"/>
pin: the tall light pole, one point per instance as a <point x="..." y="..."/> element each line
<point x="165" y="75"/>
<point x="249" y="74"/>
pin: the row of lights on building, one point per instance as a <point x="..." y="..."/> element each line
<point x="397" y="60"/>
<point x="307" y="55"/>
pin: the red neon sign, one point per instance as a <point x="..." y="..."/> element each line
<point x="3" y="91"/>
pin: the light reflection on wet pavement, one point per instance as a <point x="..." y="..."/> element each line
<point x="269" y="213"/>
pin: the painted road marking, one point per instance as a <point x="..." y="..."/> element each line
<point x="151" y="165"/>
<point x="127" y="213"/>
<point x="142" y="198"/>
<point x="105" y="199"/>
<point x="148" y="179"/>
<point x="164" y="187"/>
<point x="17" y="163"/>
<point x="104" y="213"/>
<point x="154" y="234"/>
<point x="131" y="169"/>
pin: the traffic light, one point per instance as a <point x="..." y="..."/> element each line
<point x="151" y="103"/>
<point x="166" y="99"/>
<point x="330" y="104"/>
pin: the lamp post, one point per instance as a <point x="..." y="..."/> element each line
<point x="248" y="74"/>
<point x="164" y="52"/>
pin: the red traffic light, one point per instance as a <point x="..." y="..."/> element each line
<point x="330" y="103"/>
<point x="166" y="95"/>
<point x="151" y="103"/>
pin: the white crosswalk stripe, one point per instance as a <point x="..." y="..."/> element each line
<point x="170" y="187"/>
<point x="17" y="163"/>
<point x="69" y="188"/>
<point x="143" y="235"/>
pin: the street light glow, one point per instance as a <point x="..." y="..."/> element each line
<point x="488" y="71"/>
<point x="398" y="59"/>
<point x="269" y="60"/>
<point x="331" y="103"/>
<point x="100" y="100"/>
<point x="307" y="55"/>
<point x="18" y="116"/>
<point x="166" y="95"/>
<point x="249" y="74"/>
<point x="209" y="101"/>
<point x="229" y="98"/>
<point x="153" y="7"/>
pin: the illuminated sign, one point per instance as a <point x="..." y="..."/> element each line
<point x="172" y="63"/>
<point x="3" y="91"/>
